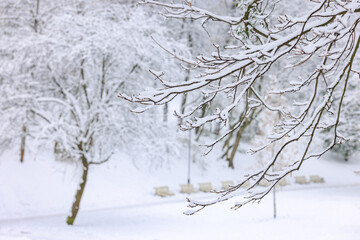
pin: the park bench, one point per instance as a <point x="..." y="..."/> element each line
<point x="205" y="187"/>
<point x="163" y="191"/>
<point x="246" y="184"/>
<point x="187" y="188"/>
<point x="227" y="184"/>
<point x="301" y="180"/>
<point x="283" y="182"/>
<point x="264" y="183"/>
<point x="316" y="179"/>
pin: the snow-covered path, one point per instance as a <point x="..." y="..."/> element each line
<point x="329" y="213"/>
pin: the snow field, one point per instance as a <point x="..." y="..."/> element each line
<point x="329" y="214"/>
<point x="119" y="203"/>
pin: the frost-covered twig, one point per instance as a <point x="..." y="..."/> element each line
<point x="327" y="36"/>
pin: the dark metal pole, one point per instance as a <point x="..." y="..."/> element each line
<point x="189" y="157"/>
<point x="274" y="188"/>
<point x="274" y="197"/>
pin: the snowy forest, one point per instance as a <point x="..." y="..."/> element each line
<point x="156" y="119"/>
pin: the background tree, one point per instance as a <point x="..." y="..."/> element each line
<point x="25" y="17"/>
<point x="349" y="123"/>
<point x="64" y="78"/>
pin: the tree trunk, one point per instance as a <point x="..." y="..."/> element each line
<point x="36" y="21"/>
<point x="166" y="111"/>
<point x="56" y="148"/>
<point x="22" y="144"/>
<point x="236" y="145"/>
<point x="187" y="76"/>
<point x="238" y="137"/>
<point x="76" y="205"/>
<point x="197" y="130"/>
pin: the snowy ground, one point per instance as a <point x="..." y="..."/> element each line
<point x="119" y="203"/>
<point x="327" y="213"/>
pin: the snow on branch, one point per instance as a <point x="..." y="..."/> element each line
<point x="325" y="39"/>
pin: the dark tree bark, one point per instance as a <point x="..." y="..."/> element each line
<point x="22" y="144"/>
<point x="166" y="111"/>
<point x="76" y="205"/>
<point x="36" y="20"/>
<point x="236" y="144"/>
<point x="190" y="44"/>
<point x="234" y="147"/>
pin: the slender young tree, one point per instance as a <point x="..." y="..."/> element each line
<point x="65" y="78"/>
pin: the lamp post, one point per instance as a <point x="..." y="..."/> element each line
<point x="189" y="157"/>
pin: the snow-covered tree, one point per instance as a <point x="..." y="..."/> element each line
<point x="318" y="47"/>
<point x="349" y="126"/>
<point x="65" y="77"/>
<point x="20" y="19"/>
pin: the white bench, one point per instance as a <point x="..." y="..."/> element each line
<point x="316" y="179"/>
<point x="245" y="184"/>
<point x="301" y="180"/>
<point x="227" y="184"/>
<point x="205" y="187"/>
<point x="163" y="191"/>
<point x="283" y="182"/>
<point x="187" y="188"/>
<point x="264" y="183"/>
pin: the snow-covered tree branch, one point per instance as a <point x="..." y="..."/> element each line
<point x="318" y="48"/>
